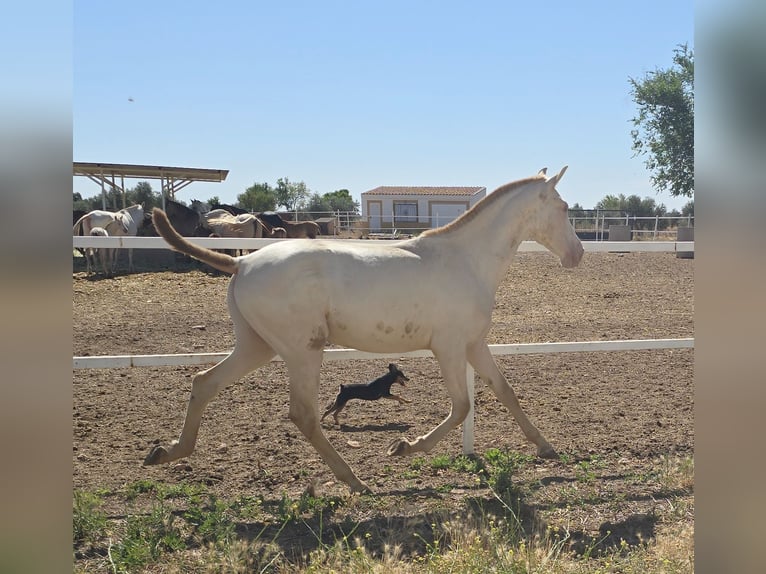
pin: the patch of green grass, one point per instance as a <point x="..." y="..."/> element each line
<point x="163" y="491"/>
<point x="441" y="462"/>
<point x="508" y="459"/>
<point x="248" y="507"/>
<point x="586" y="470"/>
<point x="189" y="530"/>
<point x="212" y="523"/>
<point x="88" y="521"/>
<point x="293" y="509"/>
<point x="145" y="539"/>
<point x="502" y="466"/>
<point x="676" y="473"/>
<point x="460" y="463"/>
<point x="134" y="489"/>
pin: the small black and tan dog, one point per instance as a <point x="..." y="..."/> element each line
<point x="380" y="388"/>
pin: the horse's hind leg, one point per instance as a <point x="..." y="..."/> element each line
<point x="480" y="357"/>
<point x="304" y="412"/>
<point x="250" y="353"/>
<point x="205" y="385"/>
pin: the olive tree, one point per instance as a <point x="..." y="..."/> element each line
<point x="663" y="129"/>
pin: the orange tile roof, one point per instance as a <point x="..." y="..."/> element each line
<point x="424" y="190"/>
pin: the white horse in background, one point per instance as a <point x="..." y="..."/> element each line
<point x="124" y="222"/>
<point x="291" y="298"/>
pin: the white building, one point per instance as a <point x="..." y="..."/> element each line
<point x="416" y="208"/>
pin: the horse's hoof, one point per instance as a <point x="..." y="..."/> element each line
<point x="157" y="455"/>
<point x="360" y="488"/>
<point x="547" y="451"/>
<point x="399" y="447"/>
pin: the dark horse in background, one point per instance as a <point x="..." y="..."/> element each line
<point x="184" y="219"/>
<point x="187" y="221"/>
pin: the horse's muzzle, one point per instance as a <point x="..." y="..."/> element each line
<point x="573" y="257"/>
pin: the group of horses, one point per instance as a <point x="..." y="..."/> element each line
<point x="125" y="222"/>
<point x="202" y="221"/>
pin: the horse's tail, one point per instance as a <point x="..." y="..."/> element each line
<point x="221" y="261"/>
<point x="77" y="227"/>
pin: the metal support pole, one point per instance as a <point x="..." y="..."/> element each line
<point x="468" y="423"/>
<point x="103" y="192"/>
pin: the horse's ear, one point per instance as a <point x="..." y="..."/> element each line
<point x="543" y="171"/>
<point x="556" y="178"/>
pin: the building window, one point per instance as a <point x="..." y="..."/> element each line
<point x="405" y="212"/>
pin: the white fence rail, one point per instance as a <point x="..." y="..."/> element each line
<point x="128" y="361"/>
<point x="190" y="359"/>
<point x="599" y="222"/>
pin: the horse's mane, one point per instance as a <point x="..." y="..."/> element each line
<point x="483" y="204"/>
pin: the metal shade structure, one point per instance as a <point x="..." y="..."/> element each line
<point x="173" y="179"/>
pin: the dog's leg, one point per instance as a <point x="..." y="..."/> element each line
<point x="337" y="412"/>
<point x="331" y="408"/>
<point x="401" y="400"/>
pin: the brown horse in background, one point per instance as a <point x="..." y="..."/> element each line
<point x="294" y="229"/>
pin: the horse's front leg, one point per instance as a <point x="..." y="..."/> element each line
<point x="480" y="357"/>
<point x="452" y="364"/>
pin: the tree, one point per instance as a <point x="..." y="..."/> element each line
<point x="664" y="125"/>
<point x="632" y="206"/>
<point x="341" y="200"/>
<point x="78" y="203"/>
<point x="143" y="193"/>
<point x="317" y="206"/>
<point x="291" y="196"/>
<point x="258" y="197"/>
<point x="612" y="203"/>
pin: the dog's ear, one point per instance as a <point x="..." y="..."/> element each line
<point x="392" y="367"/>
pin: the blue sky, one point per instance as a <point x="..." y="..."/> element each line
<point x="360" y="94"/>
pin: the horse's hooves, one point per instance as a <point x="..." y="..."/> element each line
<point x="399" y="447"/>
<point x="361" y="488"/>
<point x="155" y="456"/>
<point x="547" y="452"/>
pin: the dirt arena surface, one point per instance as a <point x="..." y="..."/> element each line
<point x="624" y="413"/>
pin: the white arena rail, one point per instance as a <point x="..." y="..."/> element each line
<point x="127" y="361"/>
<point x="83" y="241"/>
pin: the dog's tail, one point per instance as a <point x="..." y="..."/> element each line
<point x="221" y="261"/>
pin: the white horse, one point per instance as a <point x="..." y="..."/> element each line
<point x="293" y="297"/>
<point x="123" y="222"/>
